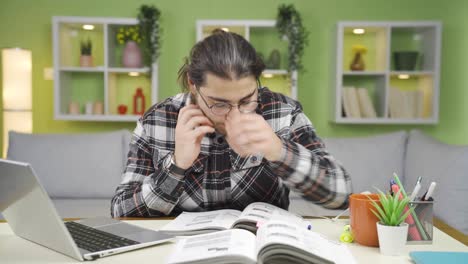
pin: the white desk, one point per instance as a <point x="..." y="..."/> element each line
<point x="14" y="249"/>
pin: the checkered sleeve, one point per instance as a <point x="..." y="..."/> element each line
<point x="146" y="190"/>
<point x="305" y="165"/>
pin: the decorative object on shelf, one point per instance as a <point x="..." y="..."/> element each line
<point x="122" y="109"/>
<point x="139" y="102"/>
<point x="391" y="229"/>
<point x="98" y="108"/>
<point x="86" y="59"/>
<point x="357" y="64"/>
<point x="289" y="25"/>
<point x="274" y="60"/>
<point x="148" y="19"/>
<point x="74" y="108"/>
<point x="89" y="108"/>
<point x="405" y="60"/>
<point x="131" y="55"/>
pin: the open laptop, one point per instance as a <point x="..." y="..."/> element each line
<point x="31" y="215"/>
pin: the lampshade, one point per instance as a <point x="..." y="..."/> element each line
<point x="17" y="68"/>
<point x="17" y="89"/>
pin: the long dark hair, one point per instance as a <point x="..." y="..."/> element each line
<point x="224" y="54"/>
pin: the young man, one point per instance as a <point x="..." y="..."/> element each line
<point x="225" y="143"/>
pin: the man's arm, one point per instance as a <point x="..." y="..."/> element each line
<point x="306" y="166"/>
<point x="145" y="190"/>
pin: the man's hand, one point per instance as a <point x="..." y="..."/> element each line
<point x="250" y="134"/>
<point x="192" y="125"/>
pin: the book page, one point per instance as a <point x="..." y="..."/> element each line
<point x="292" y="236"/>
<point x="263" y="212"/>
<point x="233" y="246"/>
<point x="213" y="220"/>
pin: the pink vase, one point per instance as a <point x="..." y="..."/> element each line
<point x="131" y="57"/>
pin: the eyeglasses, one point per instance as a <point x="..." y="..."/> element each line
<point x="221" y="109"/>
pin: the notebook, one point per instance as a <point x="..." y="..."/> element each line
<point x="436" y="257"/>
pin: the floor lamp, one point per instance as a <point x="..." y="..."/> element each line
<point x="17" y="89"/>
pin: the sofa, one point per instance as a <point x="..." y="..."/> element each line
<point x="81" y="171"/>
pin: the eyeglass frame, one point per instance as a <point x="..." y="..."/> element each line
<point x="229" y="104"/>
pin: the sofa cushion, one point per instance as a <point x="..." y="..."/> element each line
<point x="445" y="164"/>
<point x="72" y="165"/>
<point x="370" y="161"/>
<point x="82" y="208"/>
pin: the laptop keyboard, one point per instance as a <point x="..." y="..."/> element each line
<point x="95" y="240"/>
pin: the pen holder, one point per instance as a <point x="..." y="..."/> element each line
<point x="421" y="225"/>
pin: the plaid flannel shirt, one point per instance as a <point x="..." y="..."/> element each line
<point x="219" y="177"/>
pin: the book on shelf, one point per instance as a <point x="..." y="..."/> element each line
<point x="365" y="103"/>
<point x="357" y="103"/>
<point x="350" y="102"/>
<point x="191" y="223"/>
<point x="406" y="104"/>
<point x="276" y="241"/>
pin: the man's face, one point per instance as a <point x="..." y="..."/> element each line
<point x="219" y="90"/>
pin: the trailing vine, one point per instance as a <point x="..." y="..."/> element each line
<point x="148" y="19"/>
<point x="289" y="25"/>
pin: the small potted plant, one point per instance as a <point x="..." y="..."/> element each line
<point x="392" y="231"/>
<point x="86" y="58"/>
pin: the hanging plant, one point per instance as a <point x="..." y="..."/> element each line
<point x="289" y="25"/>
<point x="148" y="19"/>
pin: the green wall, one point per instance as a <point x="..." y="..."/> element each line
<point x="27" y="24"/>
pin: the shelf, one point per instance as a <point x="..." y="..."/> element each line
<point x="406" y="96"/>
<point x="104" y="86"/>
<point x="386" y="121"/>
<point x="109" y="118"/>
<point x="275" y="72"/>
<point x="128" y="70"/>
<point x="364" y="73"/>
<point x="82" y="69"/>
<point x="412" y="73"/>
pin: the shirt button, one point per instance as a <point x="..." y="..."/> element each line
<point x="253" y="159"/>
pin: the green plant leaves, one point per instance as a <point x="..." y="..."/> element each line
<point x="391" y="210"/>
<point x="289" y="25"/>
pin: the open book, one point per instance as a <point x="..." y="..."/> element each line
<point x="276" y="242"/>
<point x="189" y="223"/>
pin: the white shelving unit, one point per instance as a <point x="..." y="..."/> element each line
<point x="107" y="81"/>
<point x="279" y="80"/>
<point x="398" y="96"/>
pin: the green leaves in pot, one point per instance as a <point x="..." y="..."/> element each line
<point x="391" y="210"/>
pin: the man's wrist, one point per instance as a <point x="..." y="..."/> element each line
<point x="276" y="151"/>
<point x="173" y="167"/>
